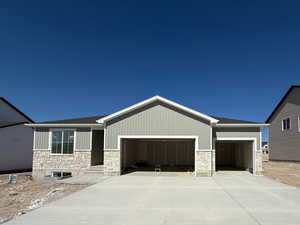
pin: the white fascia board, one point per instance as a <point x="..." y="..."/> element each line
<point x="155" y="98"/>
<point x="241" y="125"/>
<point x="64" y="125"/>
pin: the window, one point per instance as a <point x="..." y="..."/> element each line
<point x="286" y="124"/>
<point x="299" y="123"/>
<point x="62" y="141"/>
<point x="59" y="174"/>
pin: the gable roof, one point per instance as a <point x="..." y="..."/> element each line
<point x="153" y="99"/>
<point x="17" y="110"/>
<point x="281" y="101"/>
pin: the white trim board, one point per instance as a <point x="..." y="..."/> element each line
<point x="150" y="100"/>
<point x="65" y="125"/>
<point x="120" y="137"/>
<point x="241" y="125"/>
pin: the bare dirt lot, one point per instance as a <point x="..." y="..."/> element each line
<point x="284" y="172"/>
<point x="27" y="194"/>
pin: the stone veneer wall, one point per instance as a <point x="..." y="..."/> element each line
<point x="112" y="163"/>
<point x="213" y="162"/>
<point x="258" y="163"/>
<point x="204" y="163"/>
<point x="44" y="163"/>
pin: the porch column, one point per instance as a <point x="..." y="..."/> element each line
<point x="204" y="162"/>
<point x="112" y="162"/>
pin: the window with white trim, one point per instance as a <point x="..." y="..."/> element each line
<point x="62" y="142"/>
<point x="286" y="124"/>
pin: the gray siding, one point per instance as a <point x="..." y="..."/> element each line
<point x="83" y="138"/>
<point x="157" y="119"/>
<point x="285" y="145"/>
<point x="41" y="138"/>
<point x="247" y="132"/>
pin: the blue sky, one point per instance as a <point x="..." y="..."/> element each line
<point x="64" y="59"/>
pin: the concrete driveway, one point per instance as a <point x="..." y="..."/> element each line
<point x="184" y="200"/>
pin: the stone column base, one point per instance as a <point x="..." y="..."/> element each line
<point x="258" y="163"/>
<point x="204" y="163"/>
<point x="112" y="163"/>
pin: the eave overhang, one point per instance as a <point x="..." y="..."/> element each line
<point x="64" y="125"/>
<point x="241" y="125"/>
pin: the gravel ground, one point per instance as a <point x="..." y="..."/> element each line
<point x="284" y="172"/>
<point x="27" y="194"/>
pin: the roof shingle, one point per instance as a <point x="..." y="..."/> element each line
<point x="93" y="119"/>
<point x="82" y="120"/>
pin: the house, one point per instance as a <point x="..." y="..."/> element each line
<point x="284" y="130"/>
<point x="155" y="134"/>
<point x="15" y="138"/>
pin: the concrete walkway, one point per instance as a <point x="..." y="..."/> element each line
<point x="174" y="200"/>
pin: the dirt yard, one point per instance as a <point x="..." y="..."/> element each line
<point x="27" y="194"/>
<point x="284" y="172"/>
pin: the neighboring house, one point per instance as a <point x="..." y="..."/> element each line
<point x="15" y="138"/>
<point x="155" y="134"/>
<point x="284" y="130"/>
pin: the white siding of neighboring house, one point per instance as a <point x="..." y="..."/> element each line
<point x="16" y="147"/>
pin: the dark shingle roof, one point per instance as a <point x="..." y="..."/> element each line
<point x="81" y="120"/>
<point x="232" y="121"/>
<point x="92" y="120"/>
